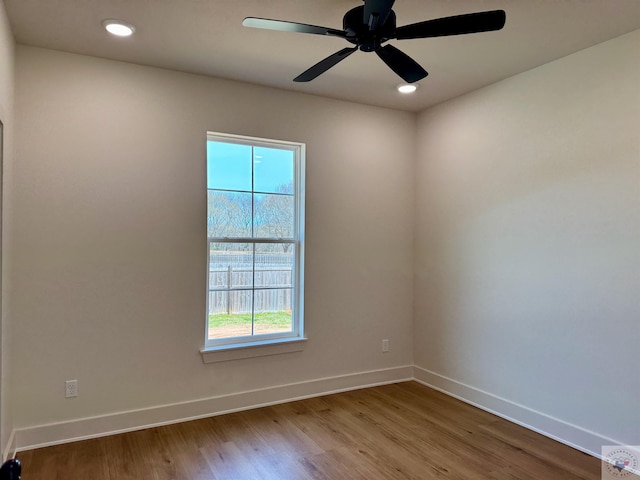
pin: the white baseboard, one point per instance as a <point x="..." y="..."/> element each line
<point x="100" y="426"/>
<point x="564" y="432"/>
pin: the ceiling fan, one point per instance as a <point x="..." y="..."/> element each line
<point x="374" y="23"/>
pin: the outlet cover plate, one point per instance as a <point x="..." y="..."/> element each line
<point x="71" y="388"/>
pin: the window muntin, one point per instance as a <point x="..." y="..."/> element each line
<point x="255" y="226"/>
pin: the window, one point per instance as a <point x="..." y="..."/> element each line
<point x="255" y="229"/>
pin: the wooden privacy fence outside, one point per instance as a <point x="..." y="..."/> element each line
<point x="235" y="286"/>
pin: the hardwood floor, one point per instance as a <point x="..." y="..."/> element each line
<point x="400" y="431"/>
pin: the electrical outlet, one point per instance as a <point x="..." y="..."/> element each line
<point x="71" y="388"/>
<point x="385" y="345"/>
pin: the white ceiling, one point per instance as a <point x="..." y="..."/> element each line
<point x="206" y="37"/>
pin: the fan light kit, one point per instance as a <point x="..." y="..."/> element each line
<point x="374" y="23"/>
<point x="118" y="27"/>
<point x="407" y="88"/>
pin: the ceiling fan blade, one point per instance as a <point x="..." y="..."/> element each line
<point x="284" y="26"/>
<point x="376" y="12"/>
<point x="401" y="63"/>
<point x="457" y="25"/>
<point x="324" y="65"/>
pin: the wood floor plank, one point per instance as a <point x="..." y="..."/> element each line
<point x="185" y="440"/>
<point x="228" y="461"/>
<point x="446" y="455"/>
<point x="403" y="431"/>
<point x="278" y="467"/>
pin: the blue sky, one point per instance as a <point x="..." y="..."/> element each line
<point x="229" y="167"/>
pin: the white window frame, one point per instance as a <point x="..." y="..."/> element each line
<point x="296" y="334"/>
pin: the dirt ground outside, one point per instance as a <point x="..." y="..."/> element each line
<point x="243" y="330"/>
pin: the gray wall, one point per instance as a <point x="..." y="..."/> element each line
<point x="109" y="243"/>
<point x="6" y="116"/>
<point x="527" y="246"/>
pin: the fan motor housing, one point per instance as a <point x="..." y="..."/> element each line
<point x="358" y="32"/>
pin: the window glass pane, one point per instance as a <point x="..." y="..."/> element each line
<point x="230" y="265"/>
<point x="228" y="214"/>
<point x="273" y="170"/>
<point x="230" y="314"/>
<point x="274" y="265"/>
<point x="274" y="215"/>
<point x="228" y="166"/>
<point x="252" y="202"/>
<point x="272" y="311"/>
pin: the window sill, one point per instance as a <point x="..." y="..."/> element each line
<point x="225" y="353"/>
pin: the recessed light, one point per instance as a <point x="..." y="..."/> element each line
<point x="407" y="88"/>
<point x="118" y="27"/>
